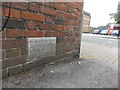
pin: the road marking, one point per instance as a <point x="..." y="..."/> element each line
<point x="103" y="44"/>
<point x="109" y="42"/>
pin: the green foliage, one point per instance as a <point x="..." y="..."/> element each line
<point x="116" y="16"/>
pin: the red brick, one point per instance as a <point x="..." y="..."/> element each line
<point x="76" y="23"/>
<point x="14" y="13"/>
<point x="61" y="7"/>
<point x="32" y="25"/>
<point x="3" y="11"/>
<point x="77" y="18"/>
<point x="48" y="11"/>
<point x="70" y="22"/>
<point x="32" y="16"/>
<point x="33" y="33"/>
<point x="71" y="4"/>
<point x="49" y="4"/>
<point x="47" y="26"/>
<point x="66" y="28"/>
<point x="49" y="20"/>
<point x="69" y="16"/>
<point x="61" y="14"/>
<point x="24" y="33"/>
<point x="48" y="34"/>
<point x="78" y="13"/>
<point x="33" y="7"/>
<point x="6" y="44"/>
<point x="12" y="33"/>
<point x="59" y="34"/>
<point x="12" y="53"/>
<point x="80" y="6"/>
<point x="20" y="5"/>
<point x="58" y="27"/>
<point x="77" y="28"/>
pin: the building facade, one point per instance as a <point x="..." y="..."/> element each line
<point x="86" y="22"/>
<point x="38" y="33"/>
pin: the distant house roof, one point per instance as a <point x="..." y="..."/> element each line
<point x="86" y="13"/>
<point x="116" y="27"/>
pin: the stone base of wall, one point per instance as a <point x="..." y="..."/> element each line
<point x="38" y="63"/>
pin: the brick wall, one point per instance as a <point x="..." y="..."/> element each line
<point x="41" y="19"/>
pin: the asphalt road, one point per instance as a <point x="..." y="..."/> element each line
<point x="108" y="41"/>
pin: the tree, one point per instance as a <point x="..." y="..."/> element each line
<point x="116" y="17"/>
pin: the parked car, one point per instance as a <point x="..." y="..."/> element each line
<point x="110" y="32"/>
<point x="115" y="32"/>
<point x="104" y="32"/>
<point x="96" y="32"/>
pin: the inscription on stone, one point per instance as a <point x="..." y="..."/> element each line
<point x="41" y="47"/>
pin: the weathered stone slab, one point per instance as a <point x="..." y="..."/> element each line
<point x="41" y="47"/>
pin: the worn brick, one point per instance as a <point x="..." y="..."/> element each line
<point x="12" y="53"/>
<point x="3" y="73"/>
<point x="33" y="7"/>
<point x="2" y="34"/>
<point x="59" y="21"/>
<point x="46" y="26"/>
<point x="6" y="44"/>
<point x="14" y="70"/>
<point x="41" y="3"/>
<point x="20" y="5"/>
<point x="59" y="27"/>
<point x="5" y="3"/>
<point x="59" y="40"/>
<point x="61" y="7"/>
<point x="13" y="33"/>
<point x="80" y="6"/>
<point x="69" y="16"/>
<point x="33" y="33"/>
<point x="48" y="11"/>
<point x="32" y="25"/>
<point x="14" y="13"/>
<point x="59" y="34"/>
<point x="24" y="50"/>
<point x="70" y="10"/>
<point x="48" y="33"/>
<point x="61" y="14"/>
<point x="76" y="23"/>
<point x="69" y="22"/>
<point x="77" y="18"/>
<point x="49" y="4"/>
<point x="14" y="23"/>
<point x="2" y="55"/>
<point x="71" y="4"/>
<point x="67" y="27"/>
<point x="77" y="28"/>
<point x="13" y="61"/>
<point x="32" y="16"/>
<point x="76" y="12"/>
<point x="49" y="20"/>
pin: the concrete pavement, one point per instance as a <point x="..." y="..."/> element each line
<point x="97" y="68"/>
